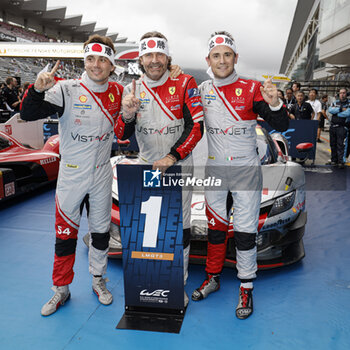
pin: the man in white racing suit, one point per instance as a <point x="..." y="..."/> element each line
<point x="167" y="117"/>
<point x="231" y="106"/>
<point x="87" y="109"/>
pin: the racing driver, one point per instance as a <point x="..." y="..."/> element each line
<point x="158" y="102"/>
<point x="231" y="106"/>
<point x="87" y="110"/>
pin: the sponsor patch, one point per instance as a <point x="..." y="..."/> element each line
<point x="111" y="97"/>
<point x="72" y="166"/>
<point x="175" y="108"/>
<point x="238" y="91"/>
<point x="81" y="106"/>
<point x="210" y="97"/>
<point x="172" y="90"/>
<point x="83" y="98"/>
<point x="195" y="104"/>
<point x="194" y="92"/>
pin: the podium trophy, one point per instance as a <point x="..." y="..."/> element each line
<point x="151" y="231"/>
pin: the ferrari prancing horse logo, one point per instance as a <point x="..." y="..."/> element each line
<point x="172" y="90"/>
<point x="238" y="92"/>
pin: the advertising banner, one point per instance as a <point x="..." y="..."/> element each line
<point x="299" y="131"/>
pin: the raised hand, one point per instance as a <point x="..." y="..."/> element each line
<point x="130" y="103"/>
<point x="46" y="80"/>
<point x="269" y="93"/>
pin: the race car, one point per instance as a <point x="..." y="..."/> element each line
<point x="23" y="169"/>
<point x="282" y="212"/>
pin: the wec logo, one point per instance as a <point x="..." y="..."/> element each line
<point x="156" y="293"/>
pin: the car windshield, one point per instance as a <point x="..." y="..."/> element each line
<point x="4" y="143"/>
<point x="264" y="142"/>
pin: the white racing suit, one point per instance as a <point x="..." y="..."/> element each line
<point x="87" y="113"/>
<point x="231" y="106"/>
<point x="170" y="120"/>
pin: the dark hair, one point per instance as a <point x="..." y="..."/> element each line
<point x="25" y="85"/>
<point x="153" y="34"/>
<point x="289" y="89"/>
<point x="297" y="84"/>
<point x="316" y="92"/>
<point x="301" y="92"/>
<point x="223" y="32"/>
<point x="324" y="96"/>
<point x="343" y="88"/>
<point x="9" y="80"/>
<point x="281" y="92"/>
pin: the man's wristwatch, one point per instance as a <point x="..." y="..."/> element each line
<point x="127" y="120"/>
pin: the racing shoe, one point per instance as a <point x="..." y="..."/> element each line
<point x="245" y="303"/>
<point x="61" y="295"/>
<point x="210" y="285"/>
<point x="99" y="287"/>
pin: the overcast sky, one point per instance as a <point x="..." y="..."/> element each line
<point x="260" y="27"/>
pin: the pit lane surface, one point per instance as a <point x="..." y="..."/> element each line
<point x="305" y="305"/>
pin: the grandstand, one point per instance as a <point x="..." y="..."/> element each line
<point x="30" y="21"/>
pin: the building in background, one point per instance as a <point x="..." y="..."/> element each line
<point x="317" y="53"/>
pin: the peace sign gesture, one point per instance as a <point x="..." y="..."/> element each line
<point x="46" y="80"/>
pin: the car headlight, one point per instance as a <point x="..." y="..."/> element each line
<point x="282" y="203"/>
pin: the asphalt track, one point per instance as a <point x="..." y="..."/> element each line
<point x="302" y="306"/>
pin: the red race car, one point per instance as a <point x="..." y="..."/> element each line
<point x="23" y="169"/>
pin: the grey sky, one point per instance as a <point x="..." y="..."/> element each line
<point x="260" y="27"/>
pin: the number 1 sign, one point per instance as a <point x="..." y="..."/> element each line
<point x="151" y="232"/>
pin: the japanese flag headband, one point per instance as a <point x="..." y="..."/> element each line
<point x="153" y="45"/>
<point x="221" y="40"/>
<point x="99" y="50"/>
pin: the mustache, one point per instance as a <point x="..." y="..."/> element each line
<point x="155" y="65"/>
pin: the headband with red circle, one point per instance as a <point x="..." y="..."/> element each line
<point x="221" y="40"/>
<point x="153" y="45"/>
<point x="99" y="50"/>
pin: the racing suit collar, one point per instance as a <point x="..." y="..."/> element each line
<point x="154" y="83"/>
<point x="92" y="85"/>
<point x="232" y="78"/>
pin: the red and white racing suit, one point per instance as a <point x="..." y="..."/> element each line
<point x="170" y="120"/>
<point x="231" y="106"/>
<point x="87" y="114"/>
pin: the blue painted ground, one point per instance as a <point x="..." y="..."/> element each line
<point x="304" y="306"/>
